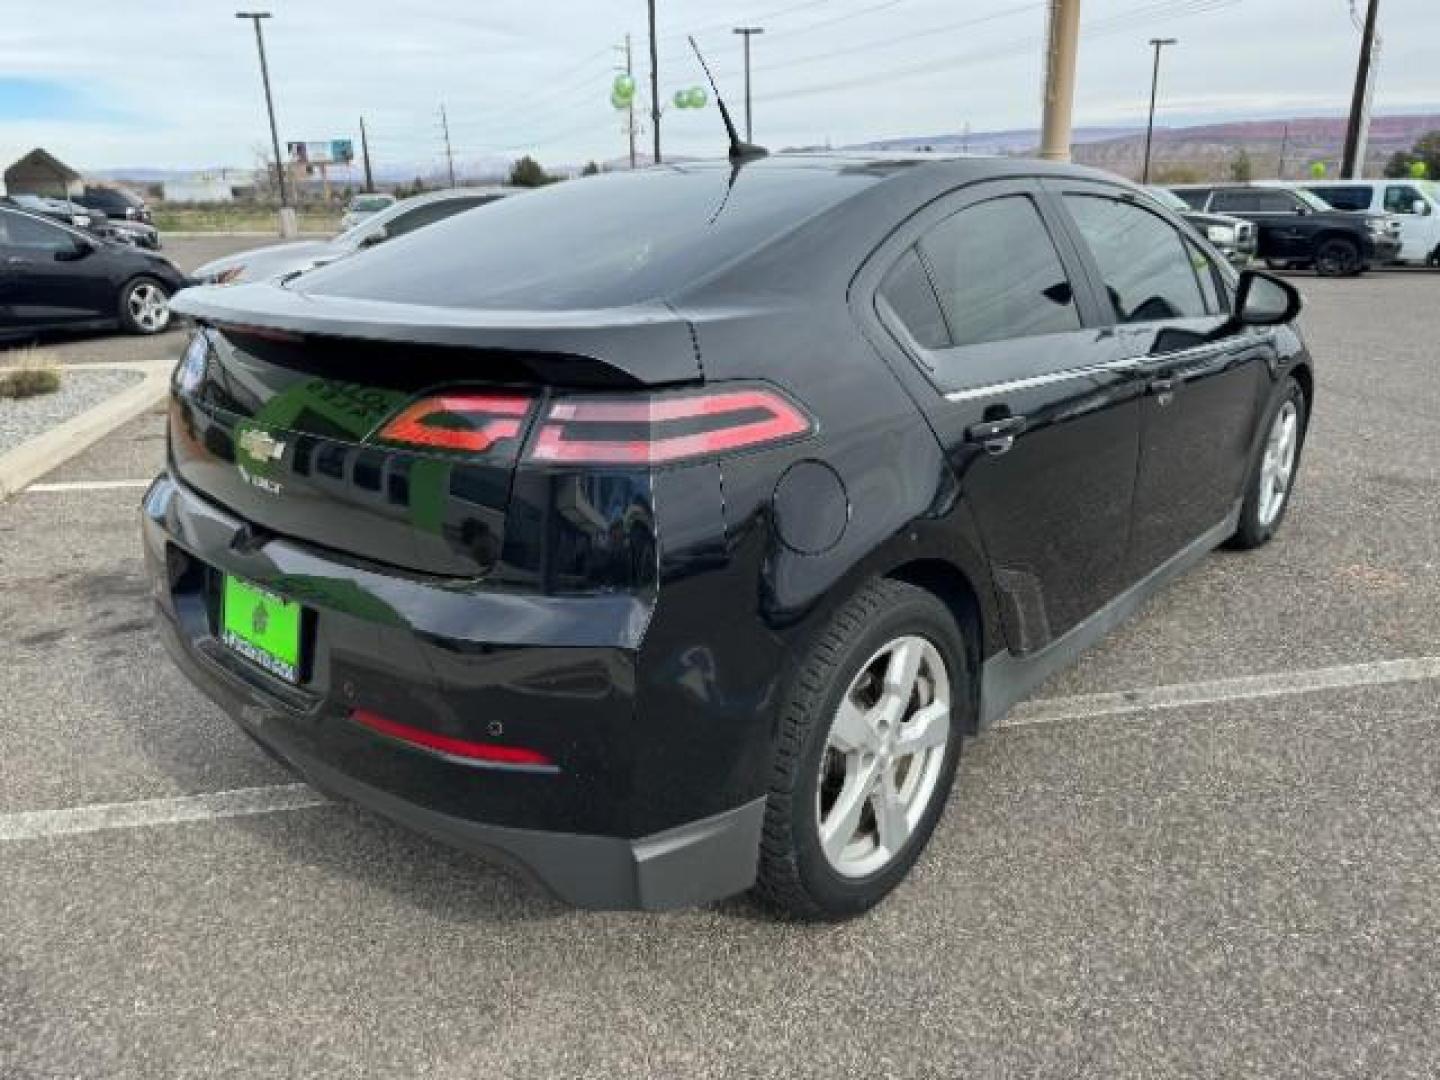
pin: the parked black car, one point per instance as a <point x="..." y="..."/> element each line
<point x="1300" y="229"/>
<point x="115" y="202"/>
<point x="94" y="221"/>
<point x="1235" y="238"/>
<point x="56" y="277"/>
<point x="669" y="531"/>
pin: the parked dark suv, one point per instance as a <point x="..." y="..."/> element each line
<point x="115" y="202"/>
<point x="669" y="531"/>
<point x="1301" y="229"/>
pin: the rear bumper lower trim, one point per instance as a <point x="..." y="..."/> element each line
<point x="694" y="863"/>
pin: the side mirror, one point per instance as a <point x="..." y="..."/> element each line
<point x="1265" y="300"/>
<point x="376" y="237"/>
<point x="1420" y="207"/>
<point x="81" y="248"/>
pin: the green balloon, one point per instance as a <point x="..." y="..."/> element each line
<point x="1317" y="170"/>
<point x="681" y="99"/>
<point x="624" y="85"/>
<point x="618" y="102"/>
<point x="697" y="97"/>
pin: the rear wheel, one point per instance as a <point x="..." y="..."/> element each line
<point x="867" y="752"/>
<point x="144" y="306"/>
<point x="1267" y="496"/>
<point x="1338" y="257"/>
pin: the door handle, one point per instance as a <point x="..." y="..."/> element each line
<point x="996" y="436"/>
<point x="15" y="260"/>
<point x="1164" y="389"/>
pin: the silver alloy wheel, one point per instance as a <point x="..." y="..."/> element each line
<point x="883" y="756"/>
<point x="149" y="307"/>
<point x="1278" y="465"/>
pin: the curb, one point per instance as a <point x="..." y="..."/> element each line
<point x="29" y="461"/>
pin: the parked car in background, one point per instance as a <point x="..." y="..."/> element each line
<point x="1298" y="229"/>
<point x="1233" y="237"/>
<point x="396" y="220"/>
<point x="56" y="277"/>
<point x="672" y="530"/>
<point x="365" y="206"/>
<point x="115" y="202"/>
<point x="66" y="213"/>
<point x="1415" y="204"/>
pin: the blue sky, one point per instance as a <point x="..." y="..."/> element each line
<point x="175" y="83"/>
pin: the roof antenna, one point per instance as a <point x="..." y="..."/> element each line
<point x="739" y="150"/>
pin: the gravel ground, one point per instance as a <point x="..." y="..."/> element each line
<point x="26" y="418"/>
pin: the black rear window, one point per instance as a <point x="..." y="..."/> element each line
<point x="595" y="242"/>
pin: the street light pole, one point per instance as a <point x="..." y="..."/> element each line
<point x="1157" y="44"/>
<point x="1062" y="45"/>
<point x="654" y="85"/>
<point x="747" y="32"/>
<point x="287" y="220"/>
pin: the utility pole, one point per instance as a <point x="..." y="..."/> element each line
<point x="365" y="156"/>
<point x="287" y="214"/>
<point x="629" y="70"/>
<point x="654" y="84"/>
<point x="1284" y="150"/>
<point x="1355" y="133"/>
<point x="1063" y="39"/>
<point x="747" y="32"/>
<point x="449" y="154"/>
<point x="1157" y="44"/>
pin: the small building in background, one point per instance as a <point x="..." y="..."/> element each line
<point x="41" y="173"/>
<point x="206" y="187"/>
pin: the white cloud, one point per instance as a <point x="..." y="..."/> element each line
<point x="515" y="77"/>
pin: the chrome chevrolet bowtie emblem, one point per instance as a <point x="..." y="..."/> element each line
<point x="261" y="446"/>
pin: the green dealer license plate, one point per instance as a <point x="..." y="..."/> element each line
<point x="261" y="627"/>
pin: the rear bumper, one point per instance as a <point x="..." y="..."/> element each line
<point x="603" y="830"/>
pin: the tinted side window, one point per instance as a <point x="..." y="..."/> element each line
<point x="20" y="231"/>
<point x="906" y="290"/>
<point x="1195" y="197"/>
<point x="1400" y="198"/>
<point x="1274" y="202"/>
<point x="998" y="275"/>
<point x="426" y="215"/>
<point x="1231" y="201"/>
<point x="1345" y="198"/>
<point x="1146" y="265"/>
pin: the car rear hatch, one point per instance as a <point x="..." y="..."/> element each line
<point x="391" y="433"/>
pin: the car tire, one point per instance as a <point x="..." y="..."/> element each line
<point x="1272" y="478"/>
<point x="1338" y="257"/>
<point x="825" y="775"/>
<point x="145" y="306"/>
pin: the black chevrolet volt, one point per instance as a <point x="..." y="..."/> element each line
<point x="667" y="533"/>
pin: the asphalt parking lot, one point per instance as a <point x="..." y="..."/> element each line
<point x="1224" y="877"/>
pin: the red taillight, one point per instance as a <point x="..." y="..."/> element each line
<point x="662" y="430"/>
<point x="472" y="423"/>
<point x="494" y="753"/>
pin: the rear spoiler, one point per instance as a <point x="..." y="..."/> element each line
<point x="648" y="342"/>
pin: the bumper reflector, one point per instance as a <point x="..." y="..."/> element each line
<point x="493" y="753"/>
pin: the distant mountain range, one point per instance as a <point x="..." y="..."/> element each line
<point x="1203" y="149"/>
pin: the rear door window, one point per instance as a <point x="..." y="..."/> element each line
<point x="997" y="273"/>
<point x="1148" y="268"/>
<point x="29" y="234"/>
<point x="1345" y="197"/>
<point x="907" y="292"/>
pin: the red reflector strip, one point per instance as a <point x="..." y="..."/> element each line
<point x="488" y="418"/>
<point x="558" y="442"/>
<point x="445" y="744"/>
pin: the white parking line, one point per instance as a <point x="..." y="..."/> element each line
<point x="1244" y="688"/>
<point x="89" y="485"/>
<point x="245" y="802"/>
<point x="241" y="802"/>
